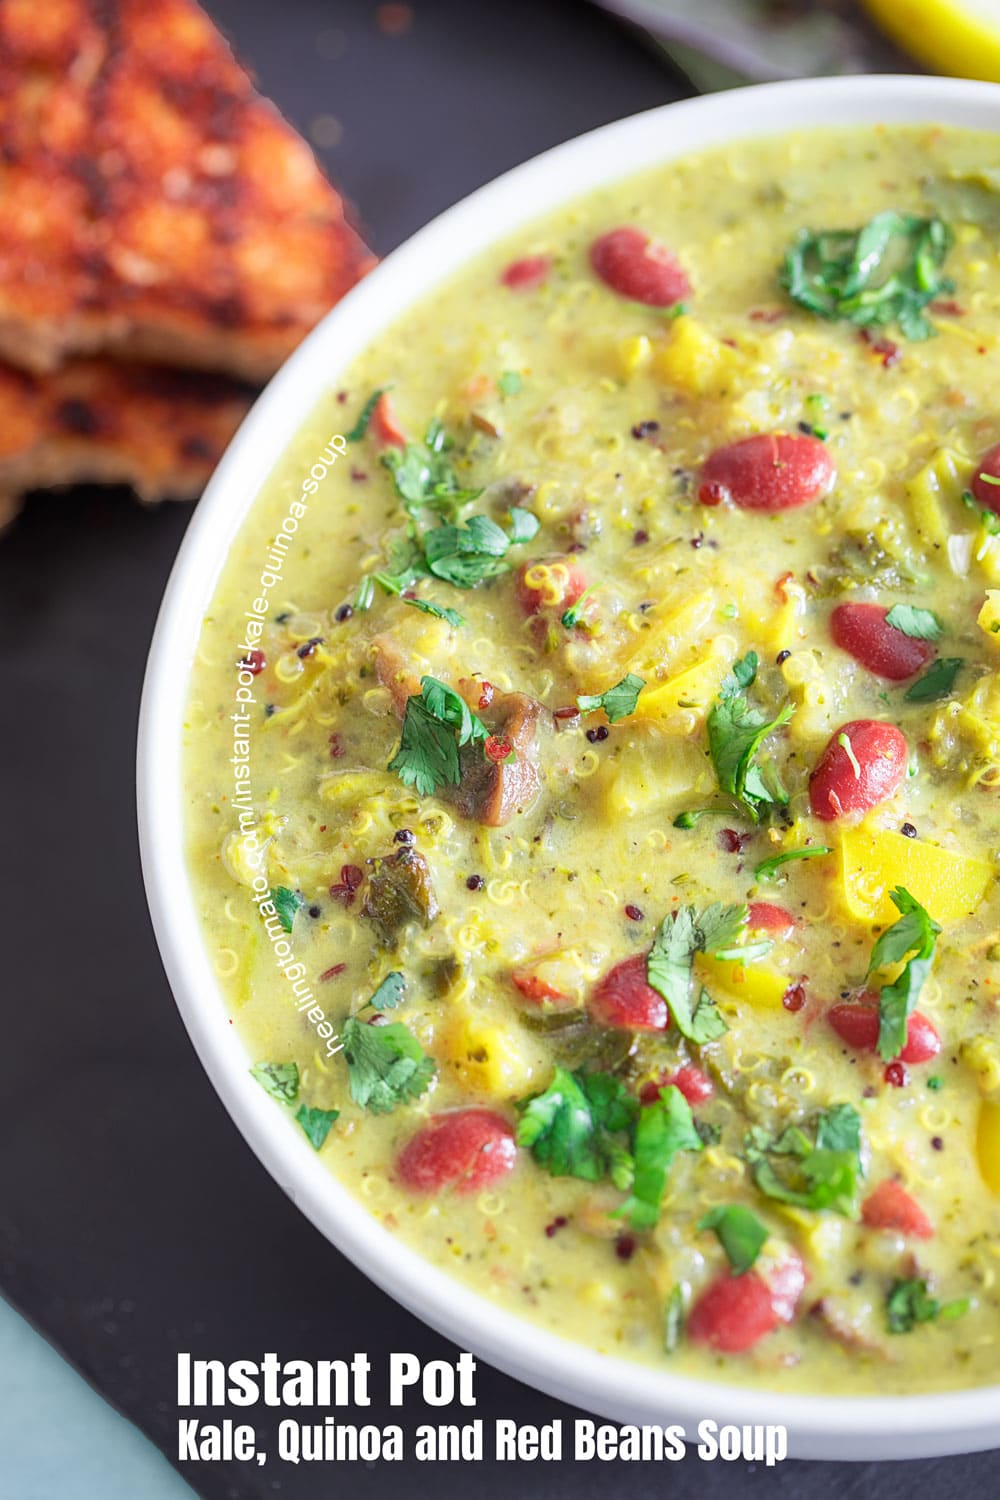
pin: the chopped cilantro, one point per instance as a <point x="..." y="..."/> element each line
<point x="510" y="383"/>
<point x="524" y="525"/>
<point x="424" y="477"/>
<point x="386" y="1065"/>
<point x="988" y="519"/>
<point x="428" y="607"/>
<point x="681" y="935"/>
<point x="437" y="722"/>
<point x="768" y="868"/>
<point x="912" y="938"/>
<point x="286" y="904"/>
<point x="466" y="555"/>
<point x="937" y="681"/>
<point x="280" y="1080"/>
<point x="360" y="427"/>
<point x="822" y="1173"/>
<point x="618" y="701"/>
<point x="573" y="1127"/>
<point x="740" y="1233"/>
<point x="663" y="1128"/>
<point x="571" y="617"/>
<point x="910" y="1303"/>
<point x="887" y="271"/>
<point x="390" y="992"/>
<point x="316" y="1123"/>
<point x="922" y="624"/>
<point x="736" y="733"/>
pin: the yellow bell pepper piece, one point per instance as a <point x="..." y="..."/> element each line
<point x="634" y="353"/>
<point x="694" y="688"/>
<point x="988" y="1144"/>
<point x="756" y="983"/>
<point x="988" y="618"/>
<point x="696" y="362"/>
<point x="875" y="860"/>
<point x="501" y="1061"/>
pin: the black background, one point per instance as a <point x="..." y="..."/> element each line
<point x="133" y="1219"/>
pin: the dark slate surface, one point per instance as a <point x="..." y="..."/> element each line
<point x="133" y="1220"/>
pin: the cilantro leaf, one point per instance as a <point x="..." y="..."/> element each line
<point x="390" y="993"/>
<point x="524" y="525"/>
<point x="828" y="1168"/>
<point x="437" y="722"/>
<point x="423" y="474"/>
<point x="736" y="732"/>
<point x="360" y="427"/>
<point x="386" y="1065"/>
<point x="510" y="383"/>
<point x="768" y="868"/>
<point x="912" y="938"/>
<point x="681" y="935"/>
<point x="937" y="681"/>
<point x="740" y="1233"/>
<point x="909" y="1303"/>
<point x="286" y="904"/>
<point x="618" y="701"/>
<point x="466" y="555"/>
<point x="570" y="1127"/>
<point x="280" y="1080"/>
<point x="922" y="624"/>
<point x="886" y="271"/>
<point x="316" y="1123"/>
<point x="663" y="1128"/>
<point x="988" y="519"/>
<point x="428" y="607"/>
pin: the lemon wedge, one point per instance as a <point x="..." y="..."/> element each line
<point x="961" y="37"/>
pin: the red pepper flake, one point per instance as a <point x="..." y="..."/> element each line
<point x="731" y="842"/>
<point x="254" y="662"/>
<point x="897" y="1075"/>
<point x="497" y="750"/>
<point x="336" y="748"/>
<point x="486" y="691"/>
<point x="350" y="878"/>
<point x="634" y="913"/>
<point x="885" y="348"/>
<point x="341" y="397"/>
<point x="794" y="997"/>
<point x="332" y="972"/>
<point x="558" y="1223"/>
<point x="358" y="476"/>
<point x="625" y="1246"/>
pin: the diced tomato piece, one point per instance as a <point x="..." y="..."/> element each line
<point x="555" y="583"/>
<point x="528" y="272"/>
<point x="464" y="1149"/>
<point x="861" y="630"/>
<point x="856" y="1023"/>
<point x="988" y="494"/>
<point x="890" y="1206"/>
<point x="733" y="1313"/>
<point x="767" y="916"/>
<point x="695" y="1085"/>
<point x="858" y="779"/>
<point x="534" y="987"/>
<point x="384" y="427"/>
<point x="624" y="999"/>
<point x="769" y="471"/>
<point x="637" y="267"/>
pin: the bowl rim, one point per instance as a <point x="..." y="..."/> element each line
<point x="818" y="1426"/>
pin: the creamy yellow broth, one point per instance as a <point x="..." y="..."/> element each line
<point x="684" y="590"/>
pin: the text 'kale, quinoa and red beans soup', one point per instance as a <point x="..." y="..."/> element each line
<point x="615" y="908"/>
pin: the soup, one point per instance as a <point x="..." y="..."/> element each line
<point x="592" y="768"/>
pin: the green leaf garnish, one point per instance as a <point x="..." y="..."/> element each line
<point x="427" y="607"/>
<point x="618" y="701"/>
<point x="736" y="733"/>
<point x="681" y="935"/>
<point x="822" y="1173"/>
<point x="466" y="555"/>
<point x="663" y="1128"/>
<point x="574" y="1127"/>
<point x="437" y="722"/>
<point x="386" y="1065"/>
<point x="768" y="868"/>
<point x="316" y="1123"/>
<point x="423" y="475"/>
<point x="740" y="1233"/>
<point x="390" y="993"/>
<point x="937" y="681"/>
<point x="909" y="1303"/>
<point x="921" y="624"/>
<point x="570" y="618"/>
<point x="887" y="271"/>
<point x="524" y="525"/>
<point x="912" y="938"/>
<point x="280" y="1080"/>
<point x="510" y="382"/>
<point x="360" y="427"/>
<point x="286" y="904"/>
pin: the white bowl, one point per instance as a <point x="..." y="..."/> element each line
<point x="819" y="1426"/>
